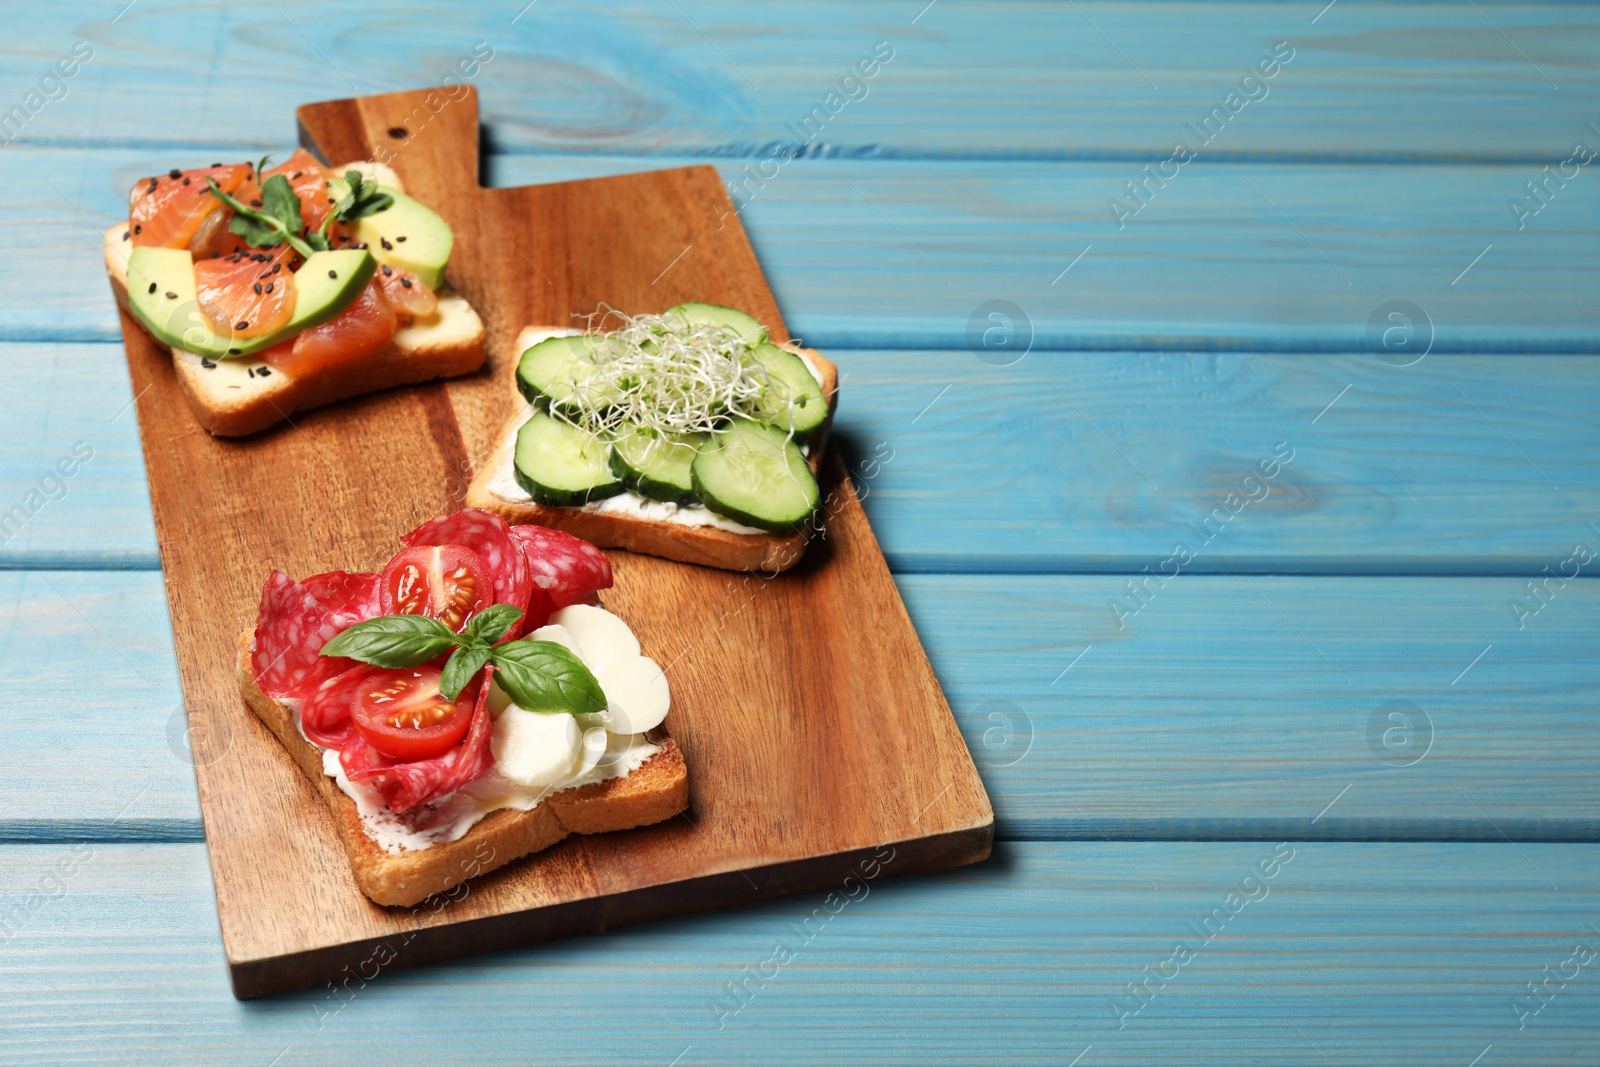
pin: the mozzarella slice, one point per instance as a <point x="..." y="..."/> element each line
<point x="560" y="635"/>
<point x="595" y="744"/>
<point x="636" y="691"/>
<point x="499" y="699"/>
<point x="602" y="636"/>
<point x="534" y="749"/>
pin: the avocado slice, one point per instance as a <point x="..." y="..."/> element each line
<point x="406" y="235"/>
<point x="161" y="293"/>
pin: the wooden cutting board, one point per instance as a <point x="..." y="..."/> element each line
<point x="813" y="727"/>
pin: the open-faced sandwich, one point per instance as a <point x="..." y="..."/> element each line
<point x="285" y="288"/>
<point x="688" y="435"/>
<point x="468" y="706"/>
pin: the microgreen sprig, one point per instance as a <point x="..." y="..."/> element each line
<point x="278" y="218"/>
<point x="537" y="675"/>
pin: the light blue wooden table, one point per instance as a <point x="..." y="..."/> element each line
<point x="1376" y="676"/>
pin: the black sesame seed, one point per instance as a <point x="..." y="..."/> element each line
<point x="386" y="270"/>
<point x="152" y="186"/>
<point x="269" y="287"/>
<point x="216" y="164"/>
<point x="251" y="371"/>
<point x="384" y="241"/>
<point x="263" y="371"/>
<point x="208" y="365"/>
<point x="152" y="287"/>
<point x="242" y="324"/>
<point x="170" y="295"/>
<point x="397" y="132"/>
<point x="333" y="274"/>
<point x="124" y="235"/>
<point x="402" y="237"/>
<point x="255" y="203"/>
<point x="406" y="282"/>
<point x="174" y="173"/>
<point x="138" y="229"/>
<point x="296" y="174"/>
<point x="234" y="351"/>
<point x="257" y="288"/>
<point x="186" y="181"/>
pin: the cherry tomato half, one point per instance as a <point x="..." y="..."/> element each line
<point x="402" y="714"/>
<point x="445" y="582"/>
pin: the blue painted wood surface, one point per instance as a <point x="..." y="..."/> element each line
<point x="1064" y="462"/>
<point x="891" y="254"/>
<point x="1370" y="953"/>
<point x="1225" y="707"/>
<point x="1021" y="79"/>
<point x="1231" y="312"/>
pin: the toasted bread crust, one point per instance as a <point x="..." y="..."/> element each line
<point x="656" y="791"/>
<point x="706" y="545"/>
<point x="414" y="354"/>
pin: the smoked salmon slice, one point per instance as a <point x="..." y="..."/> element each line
<point x="359" y="330"/>
<point x="166" y="211"/>
<point x="249" y="293"/>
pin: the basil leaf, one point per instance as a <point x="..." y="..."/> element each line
<point x="491" y="624"/>
<point x="467" y="661"/>
<point x="393" y="641"/>
<point x="545" y="676"/>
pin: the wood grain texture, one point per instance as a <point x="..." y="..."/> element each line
<point x="1001" y="472"/>
<point x="338" y="486"/>
<point x="1210" y="715"/>
<point x="901" y="254"/>
<point x="999" y="80"/>
<point x="1374" y="953"/>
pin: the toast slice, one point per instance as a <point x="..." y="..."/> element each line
<point x="709" y="546"/>
<point x="230" y="399"/>
<point x="654" y="792"/>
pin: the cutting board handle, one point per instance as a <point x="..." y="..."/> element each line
<point x="429" y="137"/>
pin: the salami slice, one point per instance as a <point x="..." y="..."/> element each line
<point x="291" y="629"/>
<point x="352" y="598"/>
<point x="487" y="534"/>
<point x="568" y="569"/>
<point x="325" y="717"/>
<point x="405" y="786"/>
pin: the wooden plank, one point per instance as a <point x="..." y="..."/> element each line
<point x="1209" y="715"/>
<point x="1025" y="959"/>
<point x="70" y="460"/>
<point x="903" y="255"/>
<point x="787" y="663"/>
<point x="1402" y="474"/>
<point x="1366" y="81"/>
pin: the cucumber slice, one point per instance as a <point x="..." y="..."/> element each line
<point x="559" y="464"/>
<point x="749" y="330"/>
<point x="754" y="473"/>
<point x="656" y="466"/>
<point x="794" y="400"/>
<point x="554" y="370"/>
